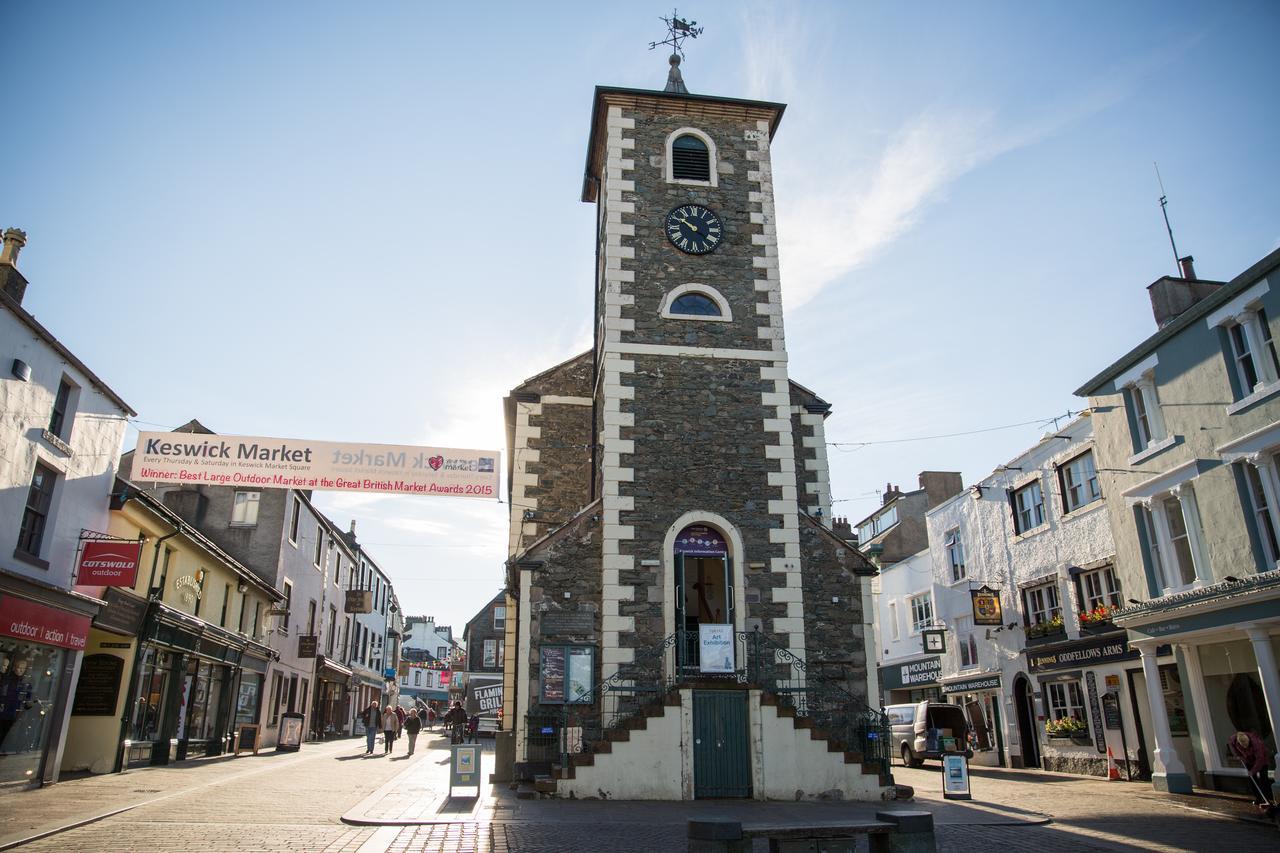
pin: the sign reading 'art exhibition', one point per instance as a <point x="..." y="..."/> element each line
<point x="274" y="463"/>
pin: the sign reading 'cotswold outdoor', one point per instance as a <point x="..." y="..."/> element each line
<point x="274" y="463"/>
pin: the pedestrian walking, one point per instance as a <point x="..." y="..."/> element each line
<point x="400" y="714"/>
<point x="431" y="717"/>
<point x="455" y="721"/>
<point x="412" y="725"/>
<point x="473" y="726"/>
<point x="371" y="717"/>
<point x="1253" y="754"/>
<point x="390" y="727"/>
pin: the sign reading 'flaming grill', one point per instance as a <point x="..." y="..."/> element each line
<point x="108" y="563"/>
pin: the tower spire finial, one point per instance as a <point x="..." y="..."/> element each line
<point x="678" y="30"/>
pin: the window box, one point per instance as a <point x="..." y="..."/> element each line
<point x="1056" y="636"/>
<point x="1093" y="629"/>
<point x="1081" y="739"/>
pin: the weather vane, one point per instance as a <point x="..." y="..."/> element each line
<point x="678" y="29"/>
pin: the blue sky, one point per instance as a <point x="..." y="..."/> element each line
<point x="360" y="222"/>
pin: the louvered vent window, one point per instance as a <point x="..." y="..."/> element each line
<point x="690" y="159"/>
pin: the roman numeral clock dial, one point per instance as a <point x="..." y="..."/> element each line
<point x="694" y="229"/>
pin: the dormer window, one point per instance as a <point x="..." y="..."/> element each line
<point x="696" y="302"/>
<point x="691" y="158"/>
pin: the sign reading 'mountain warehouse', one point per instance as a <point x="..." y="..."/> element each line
<point x="274" y="463"/>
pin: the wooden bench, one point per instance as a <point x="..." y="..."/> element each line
<point x="897" y="831"/>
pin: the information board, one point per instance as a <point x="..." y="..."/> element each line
<point x="247" y="738"/>
<point x="955" y="777"/>
<point x="464" y="767"/>
<point x="290" y="738"/>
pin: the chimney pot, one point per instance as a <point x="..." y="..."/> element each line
<point x="1188" y="267"/>
<point x="14" y="240"/>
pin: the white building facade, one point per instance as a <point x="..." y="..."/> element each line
<point x="1047" y="679"/>
<point x="904" y="609"/>
<point x="60" y="433"/>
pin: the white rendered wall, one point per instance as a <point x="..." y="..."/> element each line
<point x="792" y="765"/>
<point x="85" y="477"/>
<point x="647" y="767"/>
<point x="898" y="583"/>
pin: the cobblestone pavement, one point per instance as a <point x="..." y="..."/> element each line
<point x="275" y="801"/>
<point x="295" y="802"/>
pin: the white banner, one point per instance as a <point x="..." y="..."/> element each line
<point x="275" y="463"/>
<point x="715" y="653"/>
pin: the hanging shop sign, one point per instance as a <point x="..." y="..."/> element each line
<point x="917" y="673"/>
<point x="973" y="685"/>
<point x="986" y="606"/>
<point x="1081" y="653"/>
<point x="275" y="463"/>
<point x="308" y="645"/>
<point x="358" y="601"/>
<point x="933" y="640"/>
<point x="698" y="540"/>
<point x="715" y="648"/>
<point x="106" y="562"/>
<point x="37" y="623"/>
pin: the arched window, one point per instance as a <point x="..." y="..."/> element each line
<point x="696" y="304"/>
<point x="696" y="301"/>
<point x="690" y="159"/>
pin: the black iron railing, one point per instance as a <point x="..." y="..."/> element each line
<point x="757" y="659"/>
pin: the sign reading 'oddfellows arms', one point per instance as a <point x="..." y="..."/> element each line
<point x="274" y="463"/>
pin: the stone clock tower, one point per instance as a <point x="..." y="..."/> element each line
<point x="673" y="481"/>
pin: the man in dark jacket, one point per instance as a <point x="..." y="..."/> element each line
<point x="412" y="725"/>
<point x="371" y="717"/>
<point x="455" y="721"/>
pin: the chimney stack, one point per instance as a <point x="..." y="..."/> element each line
<point x="12" y="282"/>
<point x="352" y="531"/>
<point x="1188" y="267"/>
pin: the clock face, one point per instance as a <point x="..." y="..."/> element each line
<point x="694" y="229"/>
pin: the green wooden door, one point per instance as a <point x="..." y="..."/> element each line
<point x="721" y="760"/>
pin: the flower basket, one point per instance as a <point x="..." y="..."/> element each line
<point x="1097" y="620"/>
<point x="1067" y="728"/>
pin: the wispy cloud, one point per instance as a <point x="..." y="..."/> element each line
<point x="837" y="216"/>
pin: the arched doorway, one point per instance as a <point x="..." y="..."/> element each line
<point x="703" y="587"/>
<point x="1028" y="734"/>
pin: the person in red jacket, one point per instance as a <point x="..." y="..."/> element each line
<point x="1256" y="758"/>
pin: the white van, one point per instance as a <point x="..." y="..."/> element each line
<point x="928" y="730"/>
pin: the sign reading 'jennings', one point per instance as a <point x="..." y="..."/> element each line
<point x="273" y="463"/>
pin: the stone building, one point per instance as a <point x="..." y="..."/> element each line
<point x="896" y="529"/>
<point x="670" y="566"/>
<point x="1188" y="437"/>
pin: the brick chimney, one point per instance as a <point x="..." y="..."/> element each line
<point x="1171" y="296"/>
<point x="12" y="282"/>
<point x="891" y="492"/>
<point x="940" y="485"/>
<point x="840" y="527"/>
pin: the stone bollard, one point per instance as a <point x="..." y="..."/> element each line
<point x="913" y="833"/>
<point x="718" y="836"/>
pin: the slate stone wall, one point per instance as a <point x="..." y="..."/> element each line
<point x="661" y="267"/>
<point x="570" y="564"/>
<point x="834" y="640"/>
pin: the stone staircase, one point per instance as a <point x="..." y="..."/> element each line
<point x="636" y="726"/>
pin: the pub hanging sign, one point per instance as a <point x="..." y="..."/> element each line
<point x="986" y="606"/>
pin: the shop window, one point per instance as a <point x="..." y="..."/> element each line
<point x="247" y="698"/>
<point x="1066" y="701"/>
<point x="1079" y="480"/>
<point x="921" y="612"/>
<point x="1233" y="693"/>
<point x="955" y="554"/>
<point x="152" y="697"/>
<point x="244" y="509"/>
<point x="36" y="513"/>
<point x="1028" y="507"/>
<point x="30" y="674"/>
<point x="566" y="674"/>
